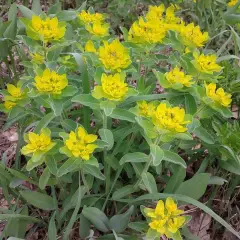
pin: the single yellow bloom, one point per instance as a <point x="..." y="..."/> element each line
<point x="145" y="109"/>
<point x="171" y="119"/>
<point x="15" y="92"/>
<point x="178" y="76"/>
<point x="114" y="56"/>
<point x="232" y="3"/>
<point x="170" y="17"/>
<point x="79" y="143"/>
<point x="37" y="58"/>
<point x="87" y="17"/>
<point x="9" y="105"/>
<point x="192" y="35"/>
<point x="89" y="47"/>
<point x="155" y="12"/>
<point x="51" y="82"/>
<point x="113" y="88"/>
<point x="48" y="29"/>
<point x="218" y="95"/>
<point x="206" y="63"/>
<point x="150" y="31"/>
<point x="98" y="29"/>
<point x="38" y="142"/>
<point x="165" y="219"/>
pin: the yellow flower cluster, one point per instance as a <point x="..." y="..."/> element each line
<point x="113" y="88"/>
<point x="154" y="27"/>
<point x="46" y="30"/>
<point x="145" y="109"/>
<point x="114" y="56"/>
<point x="218" y="95"/>
<point x="80" y="144"/>
<point x="38" y="142"/>
<point x="14" y="94"/>
<point x="206" y="63"/>
<point x="94" y="23"/>
<point x="51" y="82"/>
<point x="89" y="47"/>
<point x="165" y="219"/>
<point x="37" y="58"/>
<point x="171" y="119"/>
<point x="192" y="35"/>
<point x="232" y="3"/>
<point x="177" y="76"/>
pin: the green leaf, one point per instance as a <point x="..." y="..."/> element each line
<point x="123" y="114"/>
<point x="107" y="107"/>
<point x="39" y="200"/>
<point x="120" y="222"/>
<point x="194" y="187"/>
<point x="55" y="8"/>
<point x="149" y="182"/>
<point x="87" y="100"/>
<point x="122" y="192"/>
<point x="94" y="171"/>
<point x="97" y="218"/>
<point x="52" y="230"/>
<point x="84" y="228"/>
<point x="157" y="154"/>
<point x="52" y="165"/>
<point x="68" y="166"/>
<point x="138" y="226"/>
<point x="107" y="136"/>
<point x="27" y="13"/>
<point x="43" y="180"/>
<point x="36" y="7"/>
<point x="44" y="122"/>
<point x="176" y="179"/>
<point x="7" y="217"/>
<point x="69" y="124"/>
<point x="11" y="30"/>
<point x="66" y="15"/>
<point x="134" y="158"/>
<point x="174" y="158"/>
<point x="190" y="104"/>
<point x="204" y="135"/>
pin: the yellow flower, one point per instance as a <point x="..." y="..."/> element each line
<point x="177" y="76"/>
<point x="192" y="35"/>
<point x="51" y="82"/>
<point x="150" y="31"/>
<point x="89" y="47"/>
<point x="37" y="58"/>
<point x="79" y="143"/>
<point x="113" y="88"/>
<point x="15" y="92"/>
<point x="218" y="95"/>
<point x="170" y="17"/>
<point x="232" y="3"/>
<point x="155" y="12"/>
<point x="98" y="29"/>
<point x="9" y="105"/>
<point x="114" y="56"/>
<point x="87" y="17"/>
<point x="170" y="119"/>
<point x="165" y="220"/>
<point x="206" y="63"/>
<point x="46" y="30"/>
<point x="38" y="142"/>
<point x="145" y="109"/>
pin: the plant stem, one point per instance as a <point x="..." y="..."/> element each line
<point x="14" y="67"/>
<point x="85" y="182"/>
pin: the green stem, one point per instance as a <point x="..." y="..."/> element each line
<point x="85" y="182"/>
<point x="14" y="67"/>
<point x="86" y="90"/>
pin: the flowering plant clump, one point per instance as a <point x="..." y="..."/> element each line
<point x="165" y="219"/>
<point x="46" y="30"/>
<point x="51" y="82"/>
<point x="110" y="118"/>
<point x="79" y="144"/>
